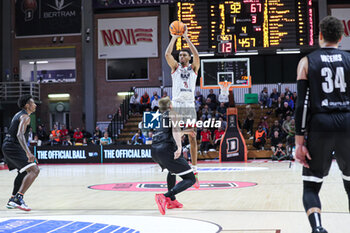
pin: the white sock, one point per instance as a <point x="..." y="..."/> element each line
<point x="194" y="167"/>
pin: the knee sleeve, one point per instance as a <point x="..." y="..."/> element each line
<point x="171" y="181"/>
<point x="310" y="195"/>
<point x="18" y="182"/>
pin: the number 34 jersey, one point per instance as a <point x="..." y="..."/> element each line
<point x="329" y="80"/>
<point x="184" y="84"/>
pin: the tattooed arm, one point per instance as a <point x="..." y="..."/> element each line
<point x="24" y="122"/>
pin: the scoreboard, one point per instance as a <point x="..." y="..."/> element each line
<point x="236" y="25"/>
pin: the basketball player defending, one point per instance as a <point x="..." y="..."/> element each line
<point x="323" y="89"/>
<point x="167" y="148"/>
<point x="184" y="77"/>
<point x="17" y="154"/>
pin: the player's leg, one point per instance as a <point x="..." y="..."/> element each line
<point x="194" y="157"/>
<point x="343" y="160"/>
<point x="17" y="184"/>
<point x="313" y="176"/>
<point x="171" y="181"/>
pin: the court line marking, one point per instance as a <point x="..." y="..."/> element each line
<point x="31" y="226"/>
<point x="61" y="226"/>
<point x="85" y="227"/>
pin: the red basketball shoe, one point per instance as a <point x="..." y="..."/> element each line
<point x="196" y="185"/>
<point x="161" y="201"/>
<point x="174" y="204"/>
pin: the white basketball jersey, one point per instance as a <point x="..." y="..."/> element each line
<point x="184" y="84"/>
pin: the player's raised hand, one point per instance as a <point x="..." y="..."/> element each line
<point x="185" y="35"/>
<point x="301" y="154"/>
<point x="175" y="36"/>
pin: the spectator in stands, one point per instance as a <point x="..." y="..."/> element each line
<point x="78" y="136"/>
<point x="198" y="104"/>
<point x="276" y="127"/>
<point x="149" y="139"/>
<point x="286" y="125"/>
<point x="283" y="97"/>
<point x="274" y="98"/>
<point x="295" y="96"/>
<point x="224" y="99"/>
<point x="30" y="135"/>
<point x="278" y="108"/>
<point x="86" y="134"/>
<point x="264" y="124"/>
<point x="154" y="95"/>
<point x="287" y="92"/>
<point x="145" y="101"/>
<point x="165" y="94"/>
<point x="286" y="110"/>
<point x="218" y="134"/>
<point x="211" y="105"/>
<point x="63" y="133"/>
<point x="95" y="139"/>
<point x="205" y="141"/>
<point x="212" y="96"/>
<point x="259" y="138"/>
<point x="98" y="132"/>
<point x="207" y="113"/>
<point x="199" y="97"/>
<point x="138" y="138"/>
<point x="223" y="123"/>
<point x="155" y="103"/>
<point x="279" y="153"/>
<point x="55" y="136"/>
<point x="249" y="121"/>
<point x="41" y="133"/>
<point x="67" y="142"/>
<point x="221" y="111"/>
<point x="290" y="137"/>
<point x="105" y="140"/>
<point x="264" y="98"/>
<point x="35" y="141"/>
<point x="290" y="102"/>
<point x="275" y="140"/>
<point x="135" y="103"/>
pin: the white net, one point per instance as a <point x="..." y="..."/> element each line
<point x="225" y="88"/>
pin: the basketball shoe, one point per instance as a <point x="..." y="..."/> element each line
<point x="19" y="204"/>
<point x="174" y="204"/>
<point x="319" y="230"/>
<point x="161" y="201"/>
<point x="196" y="185"/>
<point x="8" y="206"/>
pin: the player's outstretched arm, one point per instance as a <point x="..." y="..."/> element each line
<point x="177" y="134"/>
<point x="168" y="56"/>
<point x="194" y="51"/>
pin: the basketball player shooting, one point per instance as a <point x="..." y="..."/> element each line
<point x="17" y="154"/>
<point x="184" y="76"/>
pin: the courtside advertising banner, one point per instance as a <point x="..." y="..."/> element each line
<point x="343" y="14"/>
<point x="47" y="17"/>
<point x="127" y="37"/>
<point x="127" y="154"/>
<point x="68" y="154"/>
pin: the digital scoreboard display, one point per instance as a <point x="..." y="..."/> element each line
<point x="231" y="26"/>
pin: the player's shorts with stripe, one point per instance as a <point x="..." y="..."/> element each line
<point x="329" y="136"/>
<point x="163" y="154"/>
<point x="186" y="110"/>
<point x="15" y="156"/>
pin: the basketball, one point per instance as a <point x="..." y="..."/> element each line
<point x="177" y="28"/>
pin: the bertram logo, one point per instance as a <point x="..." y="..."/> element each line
<point x="152" y="120"/>
<point x="59" y="7"/>
<point x="129" y="36"/>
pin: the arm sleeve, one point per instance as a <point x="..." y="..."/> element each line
<point x="302" y="106"/>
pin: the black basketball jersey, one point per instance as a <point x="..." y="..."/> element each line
<point x="15" y="124"/>
<point x="329" y="80"/>
<point x="164" y="134"/>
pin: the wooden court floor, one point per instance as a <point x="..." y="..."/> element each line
<point x="271" y="205"/>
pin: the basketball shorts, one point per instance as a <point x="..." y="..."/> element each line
<point x="186" y="111"/>
<point x="328" y="138"/>
<point x="15" y="156"/>
<point x="163" y="154"/>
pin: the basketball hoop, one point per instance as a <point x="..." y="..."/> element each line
<point x="225" y="87"/>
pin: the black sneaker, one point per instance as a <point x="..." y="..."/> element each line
<point x="8" y="206"/>
<point x="319" y="230"/>
<point x="19" y="204"/>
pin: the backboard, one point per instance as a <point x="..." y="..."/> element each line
<point x="234" y="70"/>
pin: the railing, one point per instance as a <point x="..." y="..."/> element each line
<point x="120" y="118"/>
<point x="11" y="91"/>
